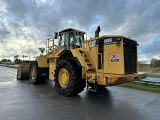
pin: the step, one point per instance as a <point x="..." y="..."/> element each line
<point x="89" y="64"/>
<point x="86" y="58"/>
<point x="91" y="68"/>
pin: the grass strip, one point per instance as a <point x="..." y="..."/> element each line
<point x="143" y="87"/>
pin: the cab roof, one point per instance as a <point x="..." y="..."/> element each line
<point x="71" y="29"/>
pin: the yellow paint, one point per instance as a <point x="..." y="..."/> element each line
<point x="93" y="55"/>
<point x="114" y="67"/>
<point x="42" y="61"/>
<point x="63" y="78"/>
<point x="52" y="65"/>
<point x="77" y="54"/>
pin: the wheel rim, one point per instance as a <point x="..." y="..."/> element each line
<point x="63" y="78"/>
<point x="33" y="72"/>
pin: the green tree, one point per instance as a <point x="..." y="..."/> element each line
<point x="155" y="62"/>
<point x="4" y="60"/>
<point x="141" y="63"/>
<point x="17" y="61"/>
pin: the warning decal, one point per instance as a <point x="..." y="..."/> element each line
<point x="114" y="57"/>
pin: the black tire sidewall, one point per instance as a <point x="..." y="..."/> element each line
<point x="64" y="64"/>
<point x="33" y="64"/>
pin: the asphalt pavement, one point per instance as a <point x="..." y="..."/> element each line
<point x="20" y="100"/>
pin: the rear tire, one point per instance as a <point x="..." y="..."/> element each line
<point x="36" y="74"/>
<point x="68" y="78"/>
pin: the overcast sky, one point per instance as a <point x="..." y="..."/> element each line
<point x="24" y="24"/>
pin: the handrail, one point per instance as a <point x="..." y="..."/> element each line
<point x="48" y="38"/>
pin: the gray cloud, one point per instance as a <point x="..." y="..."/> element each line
<point x="33" y="20"/>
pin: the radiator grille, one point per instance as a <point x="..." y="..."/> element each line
<point x="130" y="56"/>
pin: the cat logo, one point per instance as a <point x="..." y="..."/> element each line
<point x="114" y="57"/>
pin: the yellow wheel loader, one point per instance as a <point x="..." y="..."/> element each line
<point x="73" y="62"/>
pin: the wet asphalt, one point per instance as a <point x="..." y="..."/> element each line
<point x="20" y="100"/>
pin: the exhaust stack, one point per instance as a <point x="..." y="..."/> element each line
<point x="97" y="31"/>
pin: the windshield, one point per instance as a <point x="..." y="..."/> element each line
<point x="76" y="39"/>
<point x="71" y="39"/>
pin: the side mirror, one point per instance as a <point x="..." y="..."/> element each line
<point x="55" y="35"/>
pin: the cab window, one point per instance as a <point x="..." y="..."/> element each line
<point x="62" y="42"/>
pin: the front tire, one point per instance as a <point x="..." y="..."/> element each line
<point x="68" y="78"/>
<point x="36" y="74"/>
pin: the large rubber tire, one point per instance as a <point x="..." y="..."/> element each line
<point x="68" y="78"/>
<point x="36" y="74"/>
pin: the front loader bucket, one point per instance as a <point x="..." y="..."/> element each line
<point x="23" y="70"/>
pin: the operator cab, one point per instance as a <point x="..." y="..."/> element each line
<point x="70" y="39"/>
